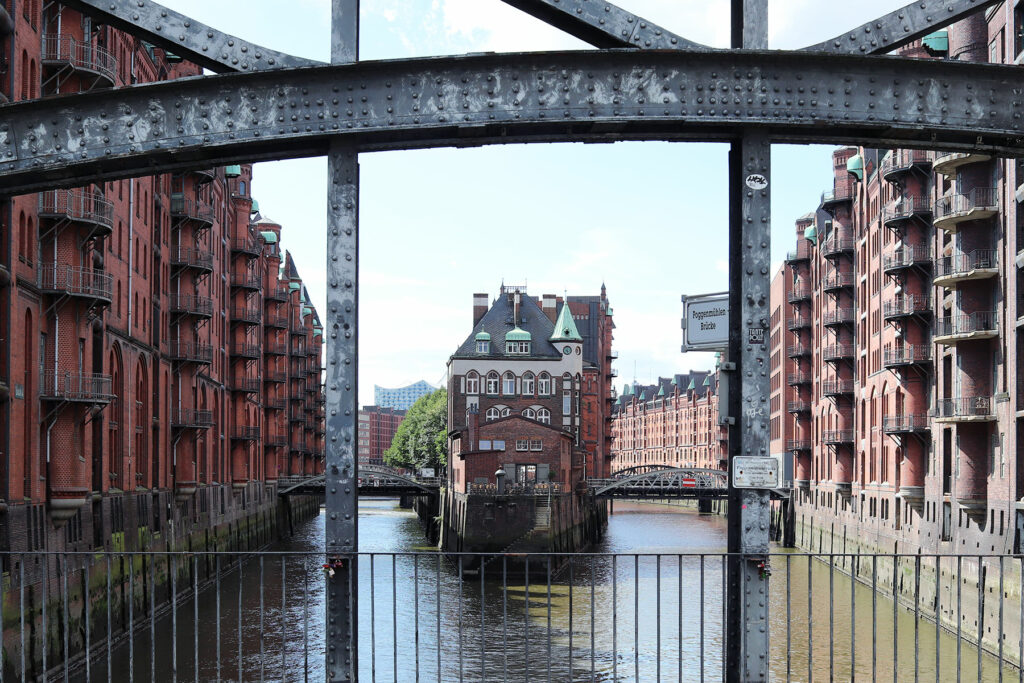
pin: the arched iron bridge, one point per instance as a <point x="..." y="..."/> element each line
<point x="374" y="481"/>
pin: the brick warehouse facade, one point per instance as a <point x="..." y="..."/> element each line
<point x="377" y="428"/>
<point x="903" y="406"/>
<point x="161" y="359"/>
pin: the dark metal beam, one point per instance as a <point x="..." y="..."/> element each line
<point x="184" y="36"/>
<point x="604" y="25"/>
<point x="488" y="99"/>
<point x="901" y="27"/>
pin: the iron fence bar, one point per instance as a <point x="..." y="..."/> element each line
<point x="549" y="615"/>
<point x="917" y="614"/>
<point x="831" y="616"/>
<point x="88" y="620"/>
<point x="240" y="578"/>
<point x="110" y="665"/>
<point x="526" y="622"/>
<point x="810" y="623"/>
<point x="959" y="611"/>
<point x="21" y="619"/>
<point x="437" y="610"/>
<point x="373" y="619"/>
<point x="152" y="620"/>
<point x="679" y="615"/>
<point x="284" y="583"/>
<point x="702" y="607"/>
<point x="636" y="616"/>
<point x="416" y="613"/>
<point x="67" y="616"/>
<point x="195" y="620"/>
<point x="1000" y="630"/>
<point x="938" y="614"/>
<point x="217" y="579"/>
<point x="789" y="625"/>
<point x="504" y="615"/>
<point x="571" y="582"/>
<point x="854" y="566"/>
<point x="262" y="664"/>
<point x="45" y="606"/>
<point x="394" y="619"/>
<point x="615" y="619"/>
<point x="895" y="620"/>
<point x="483" y="627"/>
<point x="305" y="622"/>
<point x="981" y="611"/>
<point x="657" y="651"/>
<point x="725" y="609"/>
<point x="874" y="617"/>
<point x="131" y="616"/>
<point x="1020" y="624"/>
<point x="461" y="593"/>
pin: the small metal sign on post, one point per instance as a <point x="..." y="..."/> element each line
<point x="752" y="472"/>
<point x="706" y="322"/>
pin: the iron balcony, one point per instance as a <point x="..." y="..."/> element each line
<point x="975" y="265"/>
<point x="837" y="352"/>
<point x="839" y="316"/>
<point x="192" y="304"/>
<point x="58" y="385"/>
<point x="905" y="208"/>
<point x="248" y="246"/>
<point x="245" y="350"/>
<point x="798" y="445"/>
<point x="799" y="378"/>
<point x="276" y="440"/>
<point x="906" y="256"/>
<point x="192" y="210"/>
<point x="905" y="424"/>
<point x="798" y="294"/>
<point x="66" y="51"/>
<point x="841" y="387"/>
<point x="799" y="322"/>
<point x="188" y="418"/>
<point x="947" y="164"/>
<point x="298" y="329"/>
<point x="277" y="295"/>
<point x="275" y="348"/>
<point x="278" y="322"/>
<point x="963" y="327"/>
<point x="798" y="350"/>
<point x="843" y="191"/>
<point x="296" y="414"/>
<point x="837" y="245"/>
<point x="801" y="253"/>
<point x="838" y="437"/>
<point x="246" y="433"/>
<point x="908" y="354"/>
<point x="275" y="403"/>
<point x="907" y="305"/>
<point x="902" y="161"/>
<point x="964" y="409"/>
<point x="976" y="205"/>
<point x="275" y="377"/>
<point x="82" y="283"/>
<point x="243" y="314"/>
<point x="204" y="175"/>
<point x="300" y="447"/>
<point x="838" y="280"/>
<point x="297" y="394"/>
<point x="192" y="258"/>
<point x="192" y="352"/>
<point x="798" y="407"/>
<point x="247" y="385"/>
<point x="298" y="373"/>
<point x="246" y="280"/>
<point x="80" y="206"/>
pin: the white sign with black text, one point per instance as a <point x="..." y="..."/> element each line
<point x="706" y="322"/>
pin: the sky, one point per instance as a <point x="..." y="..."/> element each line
<point x="647" y="219"/>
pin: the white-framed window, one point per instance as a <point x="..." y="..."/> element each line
<point x="485" y="445"/>
<point x="492" y="414"/>
<point x="536" y="445"/>
<point x="529" y="413"/>
<point x="498" y="445"/>
<point x="544" y="416"/>
<point x="472" y="383"/>
<point x="508" y="384"/>
<point x="522" y="444"/>
<point x="528" y="384"/>
<point x="544" y="384"/>
<point x="492" y="383"/>
<point x="483" y="347"/>
<point x="505" y="412"/>
<point x="517" y="348"/>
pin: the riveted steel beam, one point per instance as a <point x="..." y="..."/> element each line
<point x="604" y="25"/>
<point x="488" y="99"/>
<point x="184" y="36"/>
<point x="901" y="27"/>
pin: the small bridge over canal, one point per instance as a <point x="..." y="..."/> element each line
<point x="375" y="481"/>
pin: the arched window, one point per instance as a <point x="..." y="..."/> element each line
<point x="24" y="75"/>
<point x="472" y="383"/>
<point x="544" y="416"/>
<point x="528" y="384"/>
<point x="30" y="245"/>
<point x="544" y="384"/>
<point x="508" y="384"/>
<point x="33" y="80"/>
<point x="506" y="411"/>
<point x="493" y="414"/>
<point x="530" y="413"/>
<point x="492" y="383"/>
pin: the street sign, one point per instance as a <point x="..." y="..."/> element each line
<point x="706" y="322"/>
<point x="689" y="483"/>
<point x="749" y="472"/>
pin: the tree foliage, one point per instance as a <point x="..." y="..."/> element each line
<point x="422" y="438"/>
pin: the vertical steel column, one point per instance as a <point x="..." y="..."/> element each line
<point x="341" y="469"/>
<point x="749" y="265"/>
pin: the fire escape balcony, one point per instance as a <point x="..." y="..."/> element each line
<point x="976" y="265"/>
<point x="275" y="403"/>
<point x="275" y="348"/>
<point x="978" y="204"/>
<point x="947" y="164"/>
<point x="296" y="414"/>
<point x="839" y="316"/>
<point x="246" y="280"/>
<point x="275" y="377"/>
<point x="965" y="409"/>
<point x="838" y="352"/>
<point x="798" y="445"/>
<point x="801" y="253"/>
<point x="906" y="306"/>
<point x="903" y="161"/>
<point x="966" y="326"/>
<point x="842" y="192"/>
<point x="798" y="323"/>
<point x="245" y="350"/>
<point x="298" y="373"/>
<point x="300" y="447"/>
<point x="907" y="256"/>
<point x="298" y="329"/>
<point x="799" y="378"/>
<point x="247" y="315"/>
<point x="188" y="418"/>
<point x="192" y="304"/>
<point x="297" y="394"/>
<point x="82" y="283"/>
<point x="79" y="387"/>
<point x="64" y="51"/>
<point x="192" y="352"/>
<point x="837" y="245"/>
<point x="276" y="294"/>
<point x="838" y="437"/>
<point x="278" y="322"/>
<point x="247" y="246"/>
<point x="837" y="387"/>
<point x="908" y="354"/>
<point x="245" y="433"/>
<point x="798" y="350"/>
<point x="798" y="407"/>
<point x="192" y="210"/>
<point x="905" y="208"/>
<point x="837" y="280"/>
<point x="799" y="294"/>
<point x="905" y="424"/>
<point x="276" y="440"/>
<point x="80" y="206"/>
<point x="204" y="175"/>
<point x="247" y="385"/>
<point x="193" y="258"/>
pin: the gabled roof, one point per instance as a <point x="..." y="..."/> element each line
<point x="565" y="327"/>
<point x="499" y="324"/>
<point x="290" y="271"/>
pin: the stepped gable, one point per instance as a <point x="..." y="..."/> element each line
<point x="498" y="321"/>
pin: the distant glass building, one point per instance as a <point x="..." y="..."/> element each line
<point x="402" y="397"/>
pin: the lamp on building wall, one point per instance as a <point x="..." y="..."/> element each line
<point x="499" y="474"/>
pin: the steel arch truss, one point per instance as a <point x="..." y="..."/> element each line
<point x="672" y="482"/>
<point x="637" y="469"/>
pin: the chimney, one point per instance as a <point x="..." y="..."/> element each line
<point x="472" y="429"/>
<point x="549" y="307"/>
<point x="479" y="307"/>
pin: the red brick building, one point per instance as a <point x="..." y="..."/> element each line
<point x="377" y="428"/>
<point x="160" y="358"/>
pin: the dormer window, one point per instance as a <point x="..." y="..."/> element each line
<point x="518" y="342"/>
<point x="483" y="342"/>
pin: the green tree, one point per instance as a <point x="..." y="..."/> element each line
<point x="422" y="438"/>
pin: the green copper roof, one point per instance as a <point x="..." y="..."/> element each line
<point x="317" y="332"/>
<point x="482" y="336"/>
<point x="518" y="334"/>
<point x="661" y="390"/>
<point x="693" y="385"/>
<point x="811" y="234"/>
<point x="937" y="42"/>
<point x="294" y="285"/>
<point x="855" y="165"/>
<point x="269" y="237"/>
<point x="565" y="327"/>
<point x="232" y="171"/>
<point x="707" y="381"/>
<point x="306" y="310"/>
<point x="255" y="207"/>
<point x="627" y="390"/>
<point x="643" y="395"/>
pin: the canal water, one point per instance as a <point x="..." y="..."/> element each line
<point x="653" y="612"/>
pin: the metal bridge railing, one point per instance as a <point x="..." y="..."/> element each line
<point x="506" y="617"/>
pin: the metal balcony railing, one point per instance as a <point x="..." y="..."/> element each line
<point x="188" y="418"/>
<point x="246" y="433"/>
<point x="979" y="201"/>
<point x="796" y="350"/>
<point x="908" y="354"/>
<point x="840" y="387"/>
<point x="798" y="294"/>
<point x="962" y="266"/>
<point x="967" y="323"/>
<point x="966" y="407"/>
<point x="799" y="378"/>
<point x="205" y="175"/>
<point x="246" y="245"/>
<point x="275" y="403"/>
<point x="296" y="414"/>
<point x="191" y="351"/>
<point x="79" y="55"/>
<point x="297" y="394"/>
<point x="839" y="316"/>
<point x="842" y="191"/>
<point x="798" y="445"/>
<point x="246" y="280"/>
<point x="245" y="350"/>
<point x="275" y="377"/>
<point x="903" y="160"/>
<point x="87" y="283"/>
<point x="57" y="384"/>
<point x="836" y="245"/>
<point x="910" y="304"/>
<point x="192" y="304"/>
<point x="299" y="447"/>
<point x="297" y="328"/>
<point x="902" y="424"/>
<point x="248" y="385"/>
<point x="905" y="208"/>
<point x="798" y="322"/>
<point x="279" y="322"/>
<point x="276" y="440"/>
<point x="277" y="294"/>
<point x="906" y="256"/>
<point x="192" y="257"/>
<point x="191" y="209"/>
<point x="84" y="206"/>
<point x="801" y="253"/>
<point x="798" y="406"/>
<point x="837" y="437"/>
<point x="275" y="348"/>
<point x="838" y="352"/>
<point x="838" y="280"/>
<point x="246" y="315"/>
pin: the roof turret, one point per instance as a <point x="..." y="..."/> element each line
<point x="565" y="327"/>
